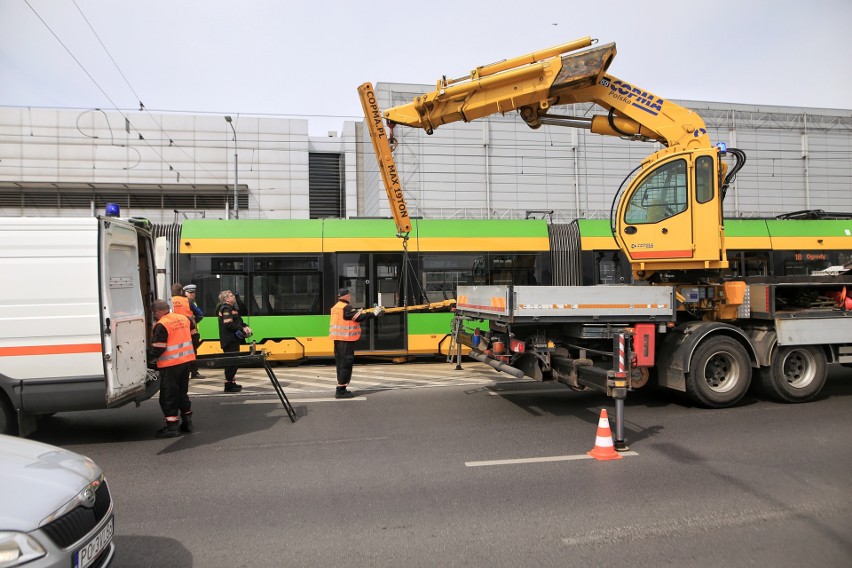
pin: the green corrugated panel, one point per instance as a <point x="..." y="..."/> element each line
<point x="443" y="228"/>
<point x="594" y="227"/>
<point x="358" y="228"/>
<point x="271" y="327"/>
<point x="805" y="228"/>
<point x="746" y="228"/>
<point x="437" y="323"/>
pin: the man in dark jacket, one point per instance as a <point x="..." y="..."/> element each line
<point x="232" y="333"/>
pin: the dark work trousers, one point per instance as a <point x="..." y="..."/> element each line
<point x="344" y="358"/>
<point x="174" y="384"/>
<point x="196" y="341"/>
<point x="233" y="347"/>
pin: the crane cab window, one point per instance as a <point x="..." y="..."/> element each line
<point x="704" y="172"/>
<point x="662" y="194"/>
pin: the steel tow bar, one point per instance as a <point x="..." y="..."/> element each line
<point x="243" y="360"/>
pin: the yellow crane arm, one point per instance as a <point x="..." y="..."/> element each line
<point x="384" y="156"/>
<point x="533" y="83"/>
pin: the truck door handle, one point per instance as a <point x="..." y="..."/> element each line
<point x="107" y="329"/>
<point x="630" y="230"/>
<point x="665" y="231"/>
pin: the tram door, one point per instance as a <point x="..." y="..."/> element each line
<point x="373" y="278"/>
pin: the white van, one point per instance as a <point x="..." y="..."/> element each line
<point x="75" y="297"/>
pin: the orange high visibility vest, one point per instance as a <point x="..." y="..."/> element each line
<point x="341" y="329"/>
<point x="179" y="344"/>
<point x="180" y="305"/>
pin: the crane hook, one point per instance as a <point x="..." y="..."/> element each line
<point x="391" y="140"/>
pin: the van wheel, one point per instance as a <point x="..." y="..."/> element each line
<point x="795" y="374"/>
<point x="719" y="373"/>
<point x="8" y="420"/>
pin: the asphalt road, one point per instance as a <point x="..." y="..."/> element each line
<point x="408" y="478"/>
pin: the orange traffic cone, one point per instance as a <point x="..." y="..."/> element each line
<point x="603" y="449"/>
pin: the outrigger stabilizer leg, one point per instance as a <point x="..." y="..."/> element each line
<point x="619" y="443"/>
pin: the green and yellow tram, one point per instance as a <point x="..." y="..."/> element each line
<point x="286" y="272"/>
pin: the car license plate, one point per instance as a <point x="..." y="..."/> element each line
<point x="92" y="549"/>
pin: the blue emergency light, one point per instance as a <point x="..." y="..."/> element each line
<point x="723" y="148"/>
<point x="113" y="210"/>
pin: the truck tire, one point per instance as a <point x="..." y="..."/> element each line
<point x="719" y="373"/>
<point x="795" y="374"/>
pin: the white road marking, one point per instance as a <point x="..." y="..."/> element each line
<point x="544" y="459"/>
<point x="298" y="401"/>
<point x="332" y="383"/>
<point x="319" y="379"/>
<point x="493" y="392"/>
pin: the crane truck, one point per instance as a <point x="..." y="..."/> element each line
<point x="683" y="318"/>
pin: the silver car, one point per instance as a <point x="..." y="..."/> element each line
<point x="55" y="508"/>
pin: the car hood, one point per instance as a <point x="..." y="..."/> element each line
<point x="37" y="479"/>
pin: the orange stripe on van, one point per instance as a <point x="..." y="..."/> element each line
<point x="50" y="349"/>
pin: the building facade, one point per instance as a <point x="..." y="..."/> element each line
<point x="172" y="166"/>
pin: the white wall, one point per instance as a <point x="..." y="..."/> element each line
<point x="493" y="168"/>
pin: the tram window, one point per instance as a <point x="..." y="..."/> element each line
<point x="442" y="274"/>
<point x="287" y="293"/>
<point x="479" y="271"/>
<point x="207" y="296"/>
<point x="517" y="269"/>
<point x="748" y="263"/>
<point x="210" y="285"/>
<point x="288" y="263"/>
<point x="352" y="274"/>
<point x="756" y="264"/>
<point x="609" y="270"/>
<point x="227" y="264"/>
<point x="661" y="195"/>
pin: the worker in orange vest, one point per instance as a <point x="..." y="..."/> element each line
<point x="171" y="350"/>
<point x="180" y="303"/>
<point x="345" y="330"/>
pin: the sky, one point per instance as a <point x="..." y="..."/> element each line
<point x="300" y="59"/>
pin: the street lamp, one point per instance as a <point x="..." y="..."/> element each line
<point x="236" y="201"/>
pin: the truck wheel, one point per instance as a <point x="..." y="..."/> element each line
<point x="8" y="420"/>
<point x="795" y="374"/>
<point x="719" y="373"/>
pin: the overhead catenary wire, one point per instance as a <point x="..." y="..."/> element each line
<point x="103" y="91"/>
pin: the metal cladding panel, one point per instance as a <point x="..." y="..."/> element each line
<point x="627" y="302"/>
<point x="483" y="300"/>
<point x="813" y="331"/>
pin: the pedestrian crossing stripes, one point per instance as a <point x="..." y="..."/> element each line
<point x="312" y="378"/>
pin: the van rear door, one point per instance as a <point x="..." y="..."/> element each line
<point x="122" y="311"/>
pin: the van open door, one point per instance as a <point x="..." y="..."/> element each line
<point x="123" y="329"/>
